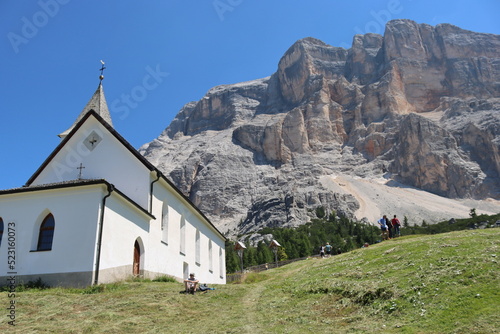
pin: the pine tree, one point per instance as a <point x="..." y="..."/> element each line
<point x="320" y="212"/>
<point x="232" y="258"/>
<point x="264" y="253"/>
<point x="282" y="256"/>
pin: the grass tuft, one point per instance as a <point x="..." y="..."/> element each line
<point x="165" y="278"/>
<point x="37" y="284"/>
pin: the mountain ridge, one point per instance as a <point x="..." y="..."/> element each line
<point x="417" y="108"/>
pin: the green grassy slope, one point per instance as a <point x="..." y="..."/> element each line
<point x="444" y="283"/>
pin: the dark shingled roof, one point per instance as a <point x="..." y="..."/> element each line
<point x="74" y="184"/>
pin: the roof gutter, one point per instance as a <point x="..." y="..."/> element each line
<point x="151" y="192"/>
<point x="99" y="235"/>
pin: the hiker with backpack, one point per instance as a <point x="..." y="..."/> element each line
<point x="396" y="224"/>
<point x="389" y="227"/>
<point x="328" y="249"/>
<point x="383" y="227"/>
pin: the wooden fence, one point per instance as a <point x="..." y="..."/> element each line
<point x="238" y="277"/>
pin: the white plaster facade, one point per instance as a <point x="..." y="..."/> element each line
<point x="107" y="202"/>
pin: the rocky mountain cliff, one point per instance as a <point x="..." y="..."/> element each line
<point x="396" y="124"/>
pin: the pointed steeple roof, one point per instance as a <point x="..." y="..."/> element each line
<point x="97" y="103"/>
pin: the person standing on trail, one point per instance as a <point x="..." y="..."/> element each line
<point x="322" y="251"/>
<point x="389" y="227"/>
<point x="383" y="227"/>
<point x="396" y="224"/>
<point x="328" y="249"/>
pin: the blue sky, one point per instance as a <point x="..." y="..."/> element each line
<point x="162" y="54"/>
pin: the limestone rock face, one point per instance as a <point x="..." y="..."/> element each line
<point x="427" y="157"/>
<point x="303" y="62"/>
<point x="445" y="60"/>
<point x="417" y="108"/>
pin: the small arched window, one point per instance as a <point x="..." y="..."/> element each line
<point x="46" y="233"/>
<point x="164" y="224"/>
<point x="221" y="263"/>
<point x="197" y="247"/>
<point x="210" y="257"/>
<point x="1" y="231"/>
<point x="183" y="236"/>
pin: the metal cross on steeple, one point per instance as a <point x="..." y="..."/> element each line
<point x="102" y="70"/>
<point x="80" y="173"/>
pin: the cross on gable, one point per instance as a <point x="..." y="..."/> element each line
<point x="80" y="172"/>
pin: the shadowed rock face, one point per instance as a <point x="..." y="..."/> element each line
<point x="419" y="105"/>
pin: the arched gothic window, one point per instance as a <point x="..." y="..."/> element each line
<point x="46" y="233"/>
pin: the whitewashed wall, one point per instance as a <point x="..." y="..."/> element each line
<point x="123" y="225"/>
<point x="175" y="261"/>
<point x="75" y="212"/>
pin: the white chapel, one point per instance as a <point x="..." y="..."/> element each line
<point x="96" y="211"/>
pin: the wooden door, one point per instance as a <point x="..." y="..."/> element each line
<point x="137" y="259"/>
